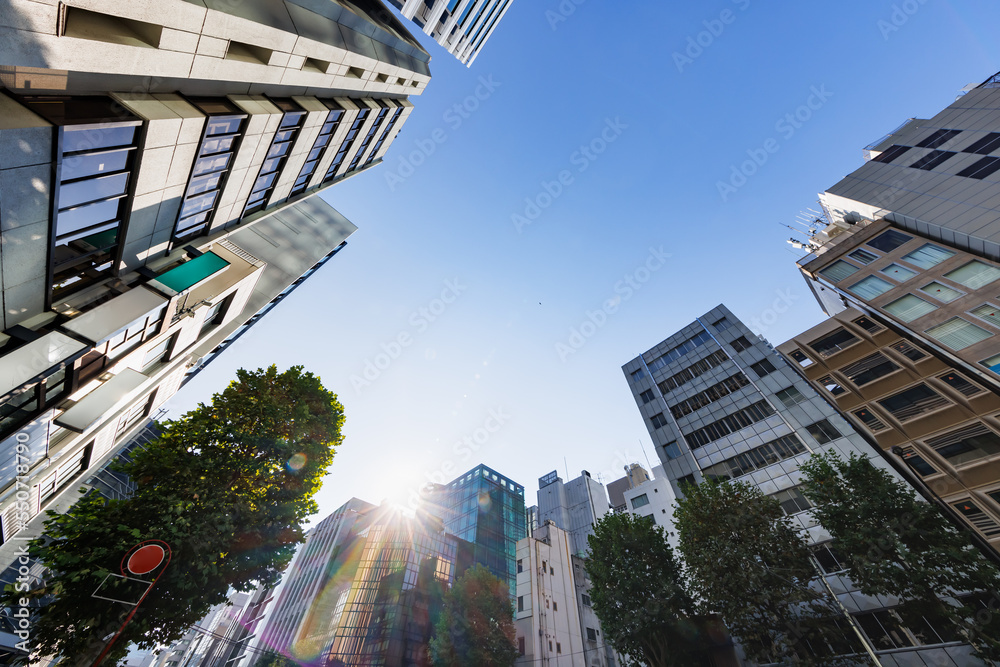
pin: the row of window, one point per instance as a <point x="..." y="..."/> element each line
<point x="978" y="170"/>
<point x="769" y="453"/>
<point x="681" y="350"/>
<point x="728" y="424"/>
<point x="710" y="395"/>
<point x="697" y="369"/>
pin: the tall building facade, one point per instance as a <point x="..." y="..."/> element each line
<point x="461" y="26"/>
<point x="574" y="506"/>
<point x="719" y="403"/>
<point x="635" y="475"/>
<point x="157" y="196"/>
<point x="487" y="509"/>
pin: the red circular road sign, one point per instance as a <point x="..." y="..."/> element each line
<point x="146" y="559"/>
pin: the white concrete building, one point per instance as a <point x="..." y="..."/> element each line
<point x="574" y="506"/>
<point x="461" y="26"/>
<point x="654" y="499"/>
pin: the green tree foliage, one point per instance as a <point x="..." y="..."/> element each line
<point x="272" y="659"/>
<point x="476" y="626"/>
<point x="895" y="544"/>
<point x="746" y="561"/>
<point x="639" y="595"/>
<point x="226" y="486"/>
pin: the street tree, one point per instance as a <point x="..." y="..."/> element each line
<point x="476" y="625"/>
<point x="895" y="544"/>
<point x="226" y="486"/>
<point x="639" y="594"/>
<point x="747" y="562"/>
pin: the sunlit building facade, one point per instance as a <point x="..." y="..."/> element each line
<point x="461" y="26"/>
<point x="487" y="509"/>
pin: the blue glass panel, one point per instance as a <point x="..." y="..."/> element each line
<point x="78" y="166"/>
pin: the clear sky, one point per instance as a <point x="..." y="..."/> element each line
<point x="580" y="175"/>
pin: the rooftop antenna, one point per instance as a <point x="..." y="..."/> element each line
<point x="566" y="465"/>
<point x="643" y="449"/>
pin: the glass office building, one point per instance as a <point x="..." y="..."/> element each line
<point x="485" y="508"/>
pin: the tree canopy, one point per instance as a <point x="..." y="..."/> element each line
<point x="639" y="594"/>
<point x="895" y="544"/>
<point x="476" y="626"/>
<point x="226" y="486"/>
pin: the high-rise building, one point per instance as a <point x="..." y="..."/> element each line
<point x="574" y="506"/>
<point x="719" y="403"/>
<point x="157" y="186"/>
<point x="909" y="170"/>
<point x="487" y="509"/>
<point x="635" y="475"/>
<point x="461" y="26"/>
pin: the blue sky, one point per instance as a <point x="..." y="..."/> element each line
<point x="584" y="179"/>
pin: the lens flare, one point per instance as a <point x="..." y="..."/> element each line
<point x="297" y="462"/>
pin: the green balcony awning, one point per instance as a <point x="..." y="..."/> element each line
<point x="189" y="274"/>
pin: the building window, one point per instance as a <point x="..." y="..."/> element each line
<point x="385" y="134"/>
<point x="833" y="343"/>
<point x="979" y="519"/>
<point x="585" y="599"/>
<point x="277" y="154"/>
<point x="730" y="424"/>
<point x="862" y="256"/>
<point x="714" y="393"/>
<point x="558" y="647"/>
<point x="823" y="431"/>
<point x="220" y="140"/>
<point x="957" y="381"/>
<point x="722" y="325"/>
<point x="891" y="153"/>
<point x="928" y="256"/>
<point x="974" y="275"/>
<point x="790" y="396"/>
<point x="869" y="369"/>
<point x="158" y="353"/>
<point x="658" y="420"/>
<point x="762" y="368"/>
<point x="135" y="413"/>
<point x="102" y="354"/>
<point x="520" y="601"/>
<point x="638" y="375"/>
<point x="958" y="334"/>
<point x="986" y="145"/>
<point x="838" y="271"/>
<point x="520" y="566"/>
<point x="831" y="385"/>
<point x="941" y="292"/>
<point x="870" y="287"/>
<point x="646" y="396"/>
<point x="967" y="444"/>
<point x="215" y="314"/>
<point x="383" y="110"/>
<point x="681" y="350"/>
<point x="345" y="147"/>
<point x="520" y="645"/>
<point x="696" y="369"/>
<point x="829" y="560"/>
<point x="913" y="402"/>
<point x="988" y="313"/>
<point x="741" y="344"/>
<point x="591" y="634"/>
<point x="555" y="605"/>
<point x="792" y="501"/>
<point x="981" y="168"/>
<point x="897" y="272"/>
<point x="781" y="449"/>
<point x="868" y="325"/>
<point x="97" y="143"/>
<point x="932" y="159"/>
<point x="671" y="450"/>
<point x="889" y="241"/>
<point x="868" y="418"/>
<point x="908" y="351"/>
<point x="909" y="308"/>
<point x="939" y="138"/>
<point x="640" y="501"/>
<point x="319" y="146"/>
<point x="801" y="359"/>
<point x="918" y="463"/>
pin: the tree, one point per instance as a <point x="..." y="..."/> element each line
<point x="272" y="659"/>
<point x="894" y="544"/>
<point x="747" y="562"/>
<point x="226" y="486"/>
<point x="476" y="626"/>
<point x="639" y="595"/>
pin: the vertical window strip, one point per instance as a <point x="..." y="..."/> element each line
<point x="381" y="140"/>
<point x="276" y="157"/>
<point x="322" y="144"/>
<point x="368" y="137"/>
<point x="349" y="139"/>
